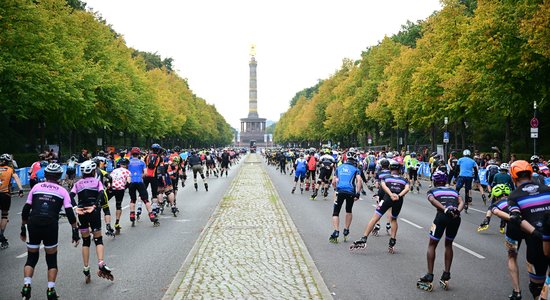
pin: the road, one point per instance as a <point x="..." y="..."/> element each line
<point x="479" y="268"/>
<point x="144" y="259"/>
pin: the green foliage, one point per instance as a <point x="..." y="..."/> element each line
<point x="307" y="93"/>
<point x="481" y="64"/>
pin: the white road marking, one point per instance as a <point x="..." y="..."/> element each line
<point x="413" y="224"/>
<point x="125" y="207"/>
<point x="471" y="208"/>
<point x="469" y="251"/>
<point x="25" y="254"/>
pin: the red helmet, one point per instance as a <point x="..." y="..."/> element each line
<point x="135" y="150"/>
<point x="520" y="166"/>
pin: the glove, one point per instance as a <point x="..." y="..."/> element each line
<point x="23" y="230"/>
<point x="21" y="193"/>
<point x="76" y="236"/>
<point x="450" y="211"/>
<point x="536" y="234"/>
<point x="515" y="218"/>
<point x="357" y="195"/>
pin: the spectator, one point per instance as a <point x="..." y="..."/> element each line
<point x="83" y="156"/>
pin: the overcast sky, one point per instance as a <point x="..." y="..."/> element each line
<point x="297" y="41"/>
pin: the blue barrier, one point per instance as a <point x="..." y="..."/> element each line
<point x="425" y="170"/>
<point x="23" y="174"/>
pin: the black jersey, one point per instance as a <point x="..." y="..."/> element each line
<point x="532" y="200"/>
<point x="46" y="200"/>
<point x="395" y="183"/>
<point x="447" y="196"/>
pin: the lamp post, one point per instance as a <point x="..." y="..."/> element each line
<point x="534" y="127"/>
<point x="445" y="138"/>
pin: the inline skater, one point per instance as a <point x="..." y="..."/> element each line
<point x="40" y="216"/>
<point x="225" y="162"/>
<point x="35" y="167"/>
<point x="166" y="187"/>
<point x="382" y="173"/>
<point x="6" y="175"/>
<point x="103" y="176"/>
<point x="370" y="162"/>
<point x="326" y="163"/>
<point x="412" y="168"/>
<point x="210" y="164"/>
<point x="152" y="161"/>
<point x="311" y="170"/>
<point x="528" y="204"/>
<point x="91" y="197"/>
<point x="497" y="192"/>
<point x="513" y="237"/>
<point x="467" y="171"/>
<point x="454" y="170"/>
<point x="120" y="181"/>
<point x="72" y="163"/>
<point x="448" y="204"/>
<point x="195" y="163"/>
<point x="137" y="168"/>
<point x="175" y="172"/>
<point x="300" y="167"/>
<point x="395" y="188"/>
<point x="347" y="184"/>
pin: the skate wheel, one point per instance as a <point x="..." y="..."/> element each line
<point x="444" y="285"/>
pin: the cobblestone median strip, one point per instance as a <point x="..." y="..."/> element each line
<point x="250" y="249"/>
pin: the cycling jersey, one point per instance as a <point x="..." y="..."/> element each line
<point x="46" y="200"/>
<point x="136" y="166"/>
<point x="301" y="165"/>
<point x="327" y="161"/>
<point x="152" y="161"/>
<point x="395" y="183"/>
<point x="120" y="177"/>
<point x="467" y="166"/>
<point x="346" y="174"/>
<point x="447" y="196"/>
<point x="6" y="173"/>
<point x="532" y="200"/>
<point x="89" y="191"/>
<point x="312" y="163"/>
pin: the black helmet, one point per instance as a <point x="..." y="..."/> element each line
<point x="384" y="163"/>
<point x="177" y="149"/>
<point x="124" y="161"/>
<point x="394" y="165"/>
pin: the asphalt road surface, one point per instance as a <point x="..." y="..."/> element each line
<point x="479" y="269"/>
<point x="144" y="259"/>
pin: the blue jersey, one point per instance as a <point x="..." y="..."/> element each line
<point x="136" y="166"/>
<point x="346" y="174"/>
<point x="467" y="166"/>
<point x="184" y="155"/>
<point x="301" y="165"/>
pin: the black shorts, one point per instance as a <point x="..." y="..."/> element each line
<point x="43" y="233"/>
<point x="153" y="181"/>
<point x="91" y="221"/>
<point x="537" y="263"/>
<point x="139" y="187"/>
<point x="413" y="174"/>
<point x="386" y="204"/>
<point x="225" y="164"/>
<point x="340" y="198"/>
<point x="324" y="175"/>
<point x="119" y="196"/>
<point x="513" y="237"/>
<point x="371" y="169"/>
<point x="444" y="224"/>
<point x="71" y="172"/>
<point x="311" y="174"/>
<point x="5" y="202"/>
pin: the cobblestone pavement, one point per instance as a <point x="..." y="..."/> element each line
<point x="250" y="249"/>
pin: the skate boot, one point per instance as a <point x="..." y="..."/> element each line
<point x="160" y="209"/>
<point x="196" y="187"/>
<point x="515" y="295"/>
<point x="117" y="229"/>
<point x="363" y="193"/>
<point x="104" y="272"/>
<point x="293" y="190"/>
<point x="206" y="186"/>
<point x="484" y="199"/>
<point x="175" y="211"/>
<point x="502" y="230"/>
<point x="314" y="195"/>
<point x="360" y="244"/>
<point x="444" y="281"/>
<point x="334" y="237"/>
<point x="26" y="291"/>
<point x="307" y="187"/>
<point x="376" y="229"/>
<point x="87" y="277"/>
<point x="301" y="190"/>
<point x="484" y="225"/>
<point x="325" y="193"/>
<point x="155" y="208"/>
<point x="388" y="228"/>
<point x="418" y="189"/>
<point x="52" y="294"/>
<point x="425" y="282"/>
<point x="502" y="226"/>
<point x="391" y="245"/>
<point x="133" y="218"/>
<point x="138" y="211"/>
<point x="3" y="242"/>
<point x="109" y="231"/>
<point x="154" y="219"/>
<point x="346" y="233"/>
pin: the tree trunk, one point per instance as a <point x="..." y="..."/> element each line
<point x="507" y="140"/>
<point x="463" y="134"/>
<point x="406" y="136"/>
<point x="432" y="135"/>
<point x="455" y="129"/>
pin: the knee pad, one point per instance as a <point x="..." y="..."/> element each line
<point x="86" y="241"/>
<point x="5" y="214"/>
<point x="98" y="241"/>
<point x="51" y="260"/>
<point x="32" y="259"/>
<point x="535" y="288"/>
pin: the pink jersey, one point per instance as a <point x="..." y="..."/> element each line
<point x="120" y="178"/>
<point x="46" y="200"/>
<point x="51" y="189"/>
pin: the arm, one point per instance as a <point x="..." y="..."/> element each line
<point x="18" y="182"/>
<point x="359" y="183"/>
<point x="436" y="203"/>
<point x="405" y="191"/>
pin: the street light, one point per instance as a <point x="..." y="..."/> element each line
<point x="446" y="121"/>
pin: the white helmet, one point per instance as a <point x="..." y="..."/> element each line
<point x="54" y="168"/>
<point x="534" y="158"/>
<point x="504" y="166"/>
<point x="389" y="155"/>
<point x="466" y="152"/>
<point x="6" y="157"/>
<point x="88" y="167"/>
<point x="351" y="155"/>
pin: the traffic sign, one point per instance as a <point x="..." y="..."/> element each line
<point x="534" y="135"/>
<point x="446" y="137"/>
<point x="534" y="122"/>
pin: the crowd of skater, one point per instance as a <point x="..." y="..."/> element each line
<point x="516" y="191"/>
<point x="84" y="201"/>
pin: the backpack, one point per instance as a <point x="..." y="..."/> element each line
<point x="152" y="161"/>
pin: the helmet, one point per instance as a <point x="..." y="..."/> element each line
<point x="43" y="164"/>
<point x="520" y="166"/>
<point x="176" y="159"/>
<point x="535" y="158"/>
<point x="351" y="155"/>
<point x="453" y="153"/>
<point x="301" y="154"/>
<point x="135" y="150"/>
<point x="504" y="166"/>
<point x="384" y="163"/>
<point x="88" y="167"/>
<point x="439" y="177"/>
<point x="466" y="152"/>
<point x="124" y="161"/>
<point x="155" y="146"/>
<point x="413" y="154"/>
<point x="53" y="171"/>
<point x="99" y="159"/>
<point x="177" y="149"/>
<point x="394" y="165"/>
<point x="535" y="167"/>
<point x="6" y="158"/>
<point x="500" y="189"/>
<point x="389" y="155"/>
